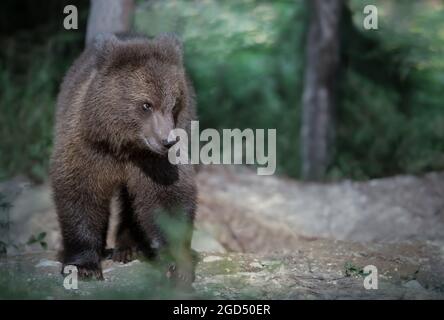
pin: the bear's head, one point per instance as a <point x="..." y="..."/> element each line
<point x="138" y="94"/>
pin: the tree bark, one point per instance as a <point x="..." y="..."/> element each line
<point x="318" y="101"/>
<point x="109" y="16"/>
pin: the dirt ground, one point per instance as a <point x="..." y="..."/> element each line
<point x="265" y="237"/>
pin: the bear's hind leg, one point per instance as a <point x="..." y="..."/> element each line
<point x="129" y="237"/>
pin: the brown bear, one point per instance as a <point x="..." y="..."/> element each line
<point x="116" y="107"/>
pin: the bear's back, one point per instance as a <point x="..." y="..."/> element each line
<point x="72" y="94"/>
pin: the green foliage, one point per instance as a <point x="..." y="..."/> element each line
<point x="352" y="270"/>
<point x="32" y="64"/>
<point x="246" y="61"/>
<point x="390" y="113"/>
<point x="25" y="129"/>
<point x="40" y="239"/>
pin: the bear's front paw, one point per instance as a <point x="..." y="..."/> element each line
<point x="90" y="274"/>
<point x="123" y="255"/>
<point x="85" y="272"/>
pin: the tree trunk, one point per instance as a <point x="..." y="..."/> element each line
<point x="322" y="62"/>
<point x="109" y="16"/>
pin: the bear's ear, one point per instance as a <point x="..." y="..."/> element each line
<point x="105" y="44"/>
<point x="171" y="45"/>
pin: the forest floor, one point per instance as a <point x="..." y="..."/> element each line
<point x="260" y="237"/>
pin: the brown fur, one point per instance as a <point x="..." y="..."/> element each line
<point x="100" y="149"/>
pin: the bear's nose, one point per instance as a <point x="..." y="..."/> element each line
<point x="168" y="144"/>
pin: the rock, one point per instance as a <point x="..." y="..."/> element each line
<point x="256" y="264"/>
<point x="262" y="213"/>
<point x="211" y="259"/>
<point x="107" y="270"/>
<point x="48" y="263"/>
<point x="205" y="242"/>
<point x="413" y="284"/>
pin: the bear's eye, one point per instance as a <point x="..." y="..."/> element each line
<point x="147" y="107"/>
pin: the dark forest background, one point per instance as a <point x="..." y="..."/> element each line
<point x="247" y="60"/>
